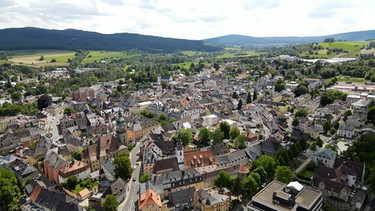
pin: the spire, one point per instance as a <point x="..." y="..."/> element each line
<point x="120" y="120"/>
<point x="179" y="143"/>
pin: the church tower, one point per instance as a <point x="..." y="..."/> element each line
<point x="180" y="153"/>
<point x="120" y="127"/>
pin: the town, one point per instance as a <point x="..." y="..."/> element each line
<point x="228" y="137"/>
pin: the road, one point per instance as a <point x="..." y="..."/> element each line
<point x="305" y="158"/>
<point x="54" y="130"/>
<point x="132" y="186"/>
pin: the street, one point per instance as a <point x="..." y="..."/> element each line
<point x="132" y="186"/>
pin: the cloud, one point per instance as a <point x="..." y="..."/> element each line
<point x="263" y="4"/>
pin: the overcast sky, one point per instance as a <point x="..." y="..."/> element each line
<point x="193" y="19"/>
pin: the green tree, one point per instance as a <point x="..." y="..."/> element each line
<point x="280" y="85"/>
<point x="9" y="191"/>
<point x="239" y="105"/>
<point x="250" y="185"/>
<point x="301" y="113"/>
<point x="332" y="131"/>
<point x="225" y="128"/>
<point x="371" y="115"/>
<point x="348" y="113"/>
<point x="326" y="126"/>
<point x="235" y="95"/>
<point x="248" y="98"/>
<point x="78" y="155"/>
<point x="72" y="182"/>
<point x="237" y="188"/>
<point x="336" y="125"/>
<point x="268" y="163"/>
<point x="204" y="136"/>
<point x="164" y="85"/>
<point x="185" y="135"/>
<point x="110" y="203"/>
<point x="319" y="142"/>
<point x="44" y="101"/>
<point x="262" y="173"/>
<point x="217" y="136"/>
<point x="234" y="132"/>
<point x="41" y="89"/>
<point x="68" y="111"/>
<point x="284" y="174"/>
<point x="240" y="142"/>
<point x="223" y="179"/>
<point x="255" y="97"/>
<point x="295" y="122"/>
<point x="16" y="96"/>
<point x="313" y="146"/>
<point x="144" y="178"/>
<point x="123" y="168"/>
<point x="41" y="58"/>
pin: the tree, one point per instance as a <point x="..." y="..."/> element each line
<point x="164" y="85"/>
<point x="123" y="168"/>
<point x="217" y="136"/>
<point x="268" y="163"/>
<point x="41" y="89"/>
<point x="185" y="135"/>
<point x="44" y="101"/>
<point x="336" y="125"/>
<point x="16" y="96"/>
<point x="236" y="188"/>
<point x="295" y="122"/>
<point x="319" y="142"/>
<point x="239" y="106"/>
<point x="41" y="58"/>
<point x="72" y="182"/>
<point x="250" y="185"/>
<point x="301" y="90"/>
<point x="234" y="132"/>
<point x="144" y="178"/>
<point x="255" y="97"/>
<point x="248" y="98"/>
<point x="348" y="113"/>
<point x="280" y="85"/>
<point x="332" y="131"/>
<point x="216" y="66"/>
<point x="110" y="203"/>
<point x="78" y="155"/>
<point x="204" y="136"/>
<point x="301" y="113"/>
<point x="68" y="111"/>
<point x="284" y="174"/>
<point x="240" y="142"/>
<point x="326" y="126"/>
<point x="53" y="60"/>
<point x="225" y="128"/>
<point x="9" y="190"/>
<point x="262" y="173"/>
<point x="235" y="95"/>
<point x="313" y="146"/>
<point x="223" y="179"/>
<point x="371" y="115"/>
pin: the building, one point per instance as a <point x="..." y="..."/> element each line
<point x="79" y="169"/>
<point x="346" y="131"/>
<point x="150" y="201"/>
<point x="53" y="163"/>
<point x="324" y="156"/>
<point x="211" y="201"/>
<point x="108" y="146"/>
<point x="83" y="93"/>
<point x="277" y="196"/>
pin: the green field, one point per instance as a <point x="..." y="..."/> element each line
<point x="106" y="56"/>
<point x="230" y="54"/>
<point x="352" y="48"/>
<point x="32" y="57"/>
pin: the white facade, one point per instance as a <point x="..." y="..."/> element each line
<point x="210" y="120"/>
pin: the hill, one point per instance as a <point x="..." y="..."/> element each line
<point x="71" y="39"/>
<point x="242" y="40"/>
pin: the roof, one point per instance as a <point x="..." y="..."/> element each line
<point x="106" y="144"/>
<point x="210" y="197"/>
<point x="325" y="172"/>
<point x="182" y="195"/>
<point x="295" y="185"/>
<point x="199" y="159"/>
<point x="169" y="164"/>
<point x="325" y="153"/>
<point x="55" y="161"/>
<point x="117" y="188"/>
<point x="149" y="198"/>
<point x="356" y="167"/>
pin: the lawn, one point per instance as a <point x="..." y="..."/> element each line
<point x="107" y="56"/>
<point x="350" y="79"/>
<point x="33" y="57"/>
<point x="352" y="48"/>
<point x="237" y="54"/>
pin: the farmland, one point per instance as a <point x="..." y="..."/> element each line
<point x="97" y="56"/>
<point x="337" y="49"/>
<point x="34" y="57"/>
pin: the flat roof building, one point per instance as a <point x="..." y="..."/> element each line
<point x="277" y="196"/>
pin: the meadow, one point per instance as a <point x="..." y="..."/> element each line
<point x="97" y="56"/>
<point x="33" y="57"/>
<point x="351" y="49"/>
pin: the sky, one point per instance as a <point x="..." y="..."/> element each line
<point x="193" y="19"/>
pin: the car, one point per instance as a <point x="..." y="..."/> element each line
<point x="133" y="179"/>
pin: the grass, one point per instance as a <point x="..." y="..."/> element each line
<point x="32" y="57"/>
<point x="352" y="48"/>
<point x="350" y="79"/>
<point x="107" y="56"/>
<point x="237" y="54"/>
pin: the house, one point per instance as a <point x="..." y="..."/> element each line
<point x="232" y="159"/>
<point x="211" y="200"/>
<point x="83" y="93"/>
<point x="53" y="163"/>
<point x="346" y="131"/>
<point x="210" y="120"/>
<point x="324" y="156"/>
<point x="283" y="197"/>
<point x="182" y="199"/>
<point x="79" y="169"/>
<point x="49" y="200"/>
<point x="106" y="147"/>
<point x="150" y="201"/>
<point x="202" y="161"/>
<point x="118" y="189"/>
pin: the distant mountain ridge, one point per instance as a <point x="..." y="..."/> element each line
<point x="71" y="39"/>
<point x="243" y="40"/>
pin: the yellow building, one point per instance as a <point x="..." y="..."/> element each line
<point x="206" y="200"/>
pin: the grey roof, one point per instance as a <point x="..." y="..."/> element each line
<point x="51" y="199"/>
<point x="182" y="195"/>
<point x="325" y="172"/>
<point x="55" y="160"/>
<point x="325" y="153"/>
<point x="155" y="185"/>
<point x="347" y="127"/>
<point x="117" y="188"/>
<point x="108" y="164"/>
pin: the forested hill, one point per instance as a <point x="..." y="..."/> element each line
<point x="71" y="39"/>
<point x="242" y="40"/>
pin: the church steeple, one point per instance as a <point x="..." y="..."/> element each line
<point x="180" y="152"/>
<point x="120" y="120"/>
<point x="120" y="127"/>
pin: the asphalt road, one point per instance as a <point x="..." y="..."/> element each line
<point x="132" y="186"/>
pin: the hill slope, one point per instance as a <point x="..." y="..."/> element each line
<point x="242" y="40"/>
<point x="70" y="39"/>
